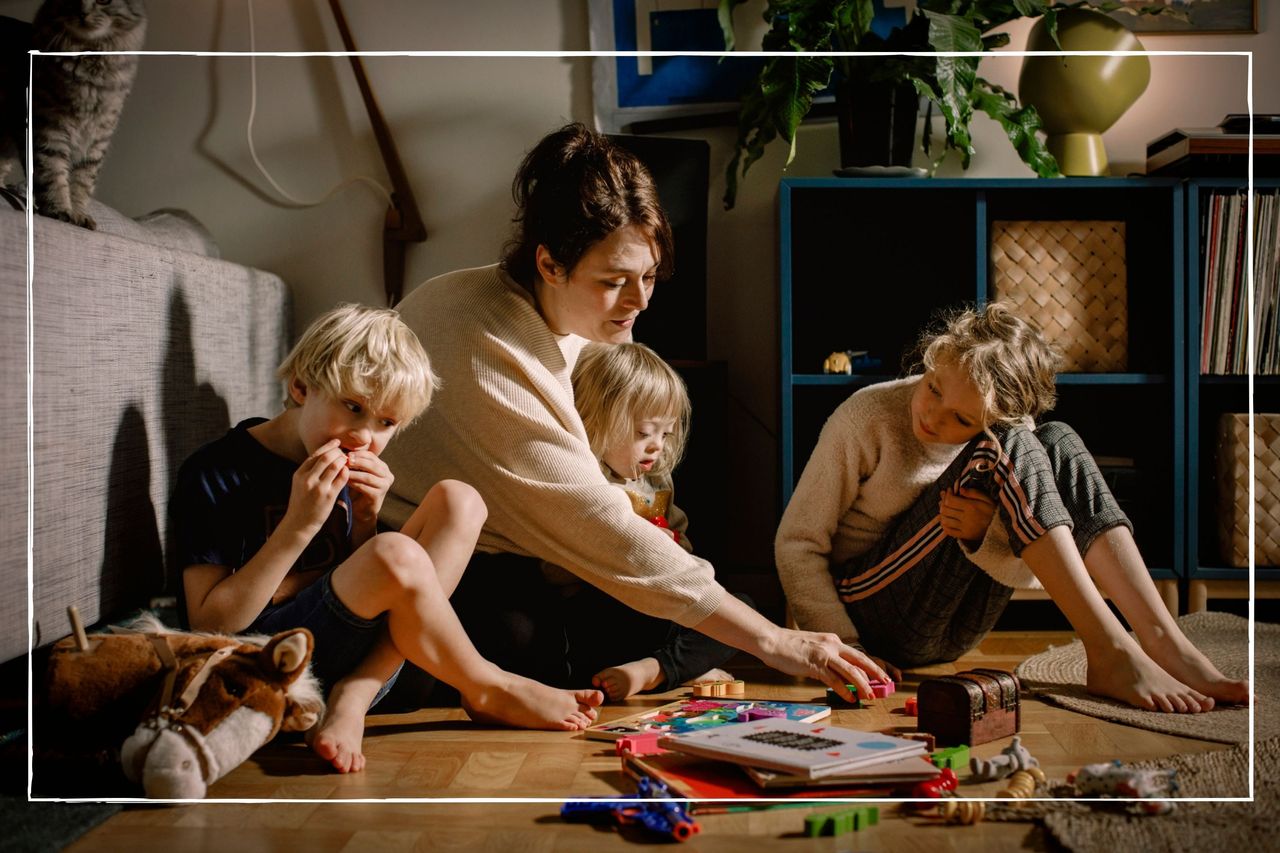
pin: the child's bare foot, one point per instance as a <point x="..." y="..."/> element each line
<point x="513" y="700"/>
<point x="1127" y="674"/>
<point x="711" y="675"/>
<point x="339" y="738"/>
<point x="628" y="679"/>
<point x="1178" y="657"/>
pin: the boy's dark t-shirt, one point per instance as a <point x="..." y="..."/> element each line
<point x="232" y="493"/>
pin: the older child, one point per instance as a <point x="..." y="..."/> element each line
<point x="927" y="499"/>
<point x="276" y="525"/>
<point x="635" y="410"/>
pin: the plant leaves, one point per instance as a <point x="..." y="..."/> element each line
<point x="1020" y="126"/>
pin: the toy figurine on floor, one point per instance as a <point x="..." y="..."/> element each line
<point x="1113" y="779"/>
<point x="1011" y="759"/>
<point x="651" y="807"/>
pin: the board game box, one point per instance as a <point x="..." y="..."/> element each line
<point x="700" y="714"/>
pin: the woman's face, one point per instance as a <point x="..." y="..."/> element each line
<point x="604" y="293"/>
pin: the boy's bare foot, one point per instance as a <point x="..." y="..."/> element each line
<point x="1127" y="674"/>
<point x="628" y="679"/>
<point x="1181" y="659"/>
<point x="711" y="675"/>
<point x="339" y="738"/>
<point x="513" y="700"/>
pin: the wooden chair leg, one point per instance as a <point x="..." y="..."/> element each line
<point x="1168" y="590"/>
<point x="1197" y="597"/>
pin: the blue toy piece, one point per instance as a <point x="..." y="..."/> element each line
<point x="651" y="807"/>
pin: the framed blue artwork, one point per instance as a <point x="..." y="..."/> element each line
<point x="628" y="89"/>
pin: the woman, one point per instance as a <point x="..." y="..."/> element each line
<point x="591" y="241"/>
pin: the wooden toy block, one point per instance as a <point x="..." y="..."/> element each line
<point x="930" y="743"/>
<point x="836" y="700"/>
<point x="642" y="744"/>
<point x="737" y="687"/>
<point x="912" y="707"/>
<point x="881" y="689"/>
<point x="953" y="757"/>
<point x="841" y="823"/>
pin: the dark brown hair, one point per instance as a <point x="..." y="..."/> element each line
<point x="574" y="189"/>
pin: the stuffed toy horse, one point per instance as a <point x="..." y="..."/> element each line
<point x="183" y="709"/>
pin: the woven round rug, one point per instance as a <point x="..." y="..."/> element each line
<point x="1057" y="675"/>
<point x="1100" y="827"/>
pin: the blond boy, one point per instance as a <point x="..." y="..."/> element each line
<point x="276" y="528"/>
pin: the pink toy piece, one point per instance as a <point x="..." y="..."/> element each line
<point x="912" y="709"/>
<point x="881" y="689"/>
<point x="761" y="714"/>
<point x="645" y="744"/>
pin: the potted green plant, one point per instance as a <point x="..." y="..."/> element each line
<point x="783" y="91"/>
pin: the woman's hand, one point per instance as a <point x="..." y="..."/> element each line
<point x="316" y="486"/>
<point x="966" y="516"/>
<point x="825" y="658"/>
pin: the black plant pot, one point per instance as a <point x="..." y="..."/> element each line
<point x="877" y="123"/>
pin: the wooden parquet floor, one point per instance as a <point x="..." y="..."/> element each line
<point x="438" y="754"/>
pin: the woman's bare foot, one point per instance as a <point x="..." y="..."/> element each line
<point x="628" y="679"/>
<point x="339" y="737"/>
<point x="1181" y="659"/>
<point x="1126" y="673"/>
<point x="513" y="700"/>
<point x="711" y="675"/>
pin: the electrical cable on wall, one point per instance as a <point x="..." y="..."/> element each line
<point x="382" y="191"/>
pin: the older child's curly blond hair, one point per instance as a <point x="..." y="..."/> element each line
<point x="614" y="385"/>
<point x="1007" y="358"/>
<point x="366" y="352"/>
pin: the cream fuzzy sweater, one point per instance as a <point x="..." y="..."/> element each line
<point x="868" y="468"/>
<point x="503" y="420"/>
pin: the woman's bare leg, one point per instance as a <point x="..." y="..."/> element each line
<point x="1117" y="666"/>
<point x="1116" y="564"/>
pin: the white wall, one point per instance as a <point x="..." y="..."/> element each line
<point x="462" y="125"/>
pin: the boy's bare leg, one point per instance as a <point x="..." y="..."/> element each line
<point x="1116" y="564"/>
<point x="339" y="737"/>
<point x="392" y="574"/>
<point x="447" y="524"/>
<point x="1117" y="665"/>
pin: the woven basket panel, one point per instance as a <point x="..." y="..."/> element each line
<point x="1069" y="277"/>
<point x="1233" y="489"/>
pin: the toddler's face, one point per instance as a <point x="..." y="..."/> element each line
<point x="636" y="457"/>
<point x="945" y="406"/>
<point x="346" y="417"/>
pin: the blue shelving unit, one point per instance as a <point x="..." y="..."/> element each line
<point x="1210" y="395"/>
<point x="866" y="263"/>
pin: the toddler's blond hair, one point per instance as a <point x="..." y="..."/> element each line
<point x="366" y="352"/>
<point x="616" y="384"/>
<point x="1009" y="361"/>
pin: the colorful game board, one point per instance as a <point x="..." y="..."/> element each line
<point x="700" y="714"/>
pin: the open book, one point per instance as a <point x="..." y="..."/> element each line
<point x="793" y="747"/>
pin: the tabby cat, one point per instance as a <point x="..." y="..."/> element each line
<point x="76" y="100"/>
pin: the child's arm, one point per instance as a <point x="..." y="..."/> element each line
<point x="370" y="480"/>
<point x="222" y="599"/>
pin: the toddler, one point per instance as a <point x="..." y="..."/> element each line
<point x="635" y="410"/>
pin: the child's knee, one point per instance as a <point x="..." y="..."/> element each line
<point x="397" y="559"/>
<point x="460" y="501"/>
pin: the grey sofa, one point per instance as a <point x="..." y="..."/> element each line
<point x="143" y="346"/>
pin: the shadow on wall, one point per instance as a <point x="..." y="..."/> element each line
<point x="192" y="413"/>
<point x="132" y="562"/>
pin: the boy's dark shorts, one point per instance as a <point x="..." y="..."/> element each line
<point x="343" y="639"/>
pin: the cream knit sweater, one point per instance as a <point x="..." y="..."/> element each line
<point x="503" y="420"/>
<point x="868" y="468"/>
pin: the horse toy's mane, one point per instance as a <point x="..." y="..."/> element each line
<point x="182" y="708"/>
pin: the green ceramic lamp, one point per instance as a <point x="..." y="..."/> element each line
<point x="1079" y="97"/>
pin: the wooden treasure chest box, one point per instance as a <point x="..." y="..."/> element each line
<point x="971" y="707"/>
